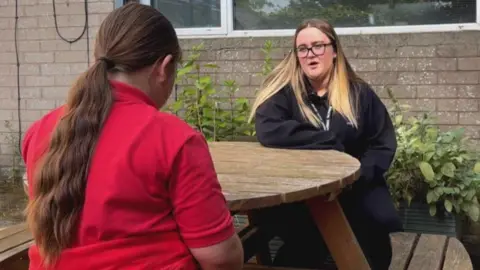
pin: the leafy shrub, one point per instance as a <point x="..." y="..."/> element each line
<point x="215" y="110"/>
<point x="433" y="166"/>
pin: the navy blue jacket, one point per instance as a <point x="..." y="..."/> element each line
<point x="279" y="123"/>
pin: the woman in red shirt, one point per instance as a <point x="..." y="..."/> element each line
<point x="113" y="182"/>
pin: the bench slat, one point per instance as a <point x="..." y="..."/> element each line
<point x="12" y="256"/>
<point x="429" y="252"/>
<point x="403" y="245"/>
<point x="457" y="257"/>
<point x="7" y="232"/>
<point x="15" y="240"/>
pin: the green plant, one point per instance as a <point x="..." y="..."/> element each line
<point x="267" y="62"/>
<point x="215" y="110"/>
<point x="433" y="166"/>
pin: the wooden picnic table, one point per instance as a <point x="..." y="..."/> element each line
<point x="253" y="176"/>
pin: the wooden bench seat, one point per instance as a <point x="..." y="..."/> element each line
<point x="418" y="252"/>
<point x="410" y="251"/>
<point x="14" y="243"/>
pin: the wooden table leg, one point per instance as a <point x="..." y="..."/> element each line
<point x="337" y="233"/>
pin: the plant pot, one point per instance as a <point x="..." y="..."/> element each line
<point x="416" y="218"/>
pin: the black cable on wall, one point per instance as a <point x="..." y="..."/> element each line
<point x="19" y="100"/>
<point x="85" y="29"/>
<point x="71" y="41"/>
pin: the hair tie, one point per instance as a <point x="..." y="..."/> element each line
<point x="110" y="63"/>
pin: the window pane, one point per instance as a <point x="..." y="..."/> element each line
<point x="190" y="13"/>
<point x="287" y="14"/>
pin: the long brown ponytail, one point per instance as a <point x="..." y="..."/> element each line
<point x="129" y="39"/>
<point x="60" y="185"/>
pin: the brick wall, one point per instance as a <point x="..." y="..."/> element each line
<point x="429" y="71"/>
<point x="47" y="63"/>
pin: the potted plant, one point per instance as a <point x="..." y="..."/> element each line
<point x="435" y="176"/>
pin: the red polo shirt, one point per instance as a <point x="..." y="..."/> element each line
<point x="152" y="191"/>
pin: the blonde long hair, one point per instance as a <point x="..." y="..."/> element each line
<point x="288" y="72"/>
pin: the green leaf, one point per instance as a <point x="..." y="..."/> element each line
<point x="398" y="119"/>
<point x="184" y="71"/>
<point x="448" y="169"/>
<point x="432" y="133"/>
<point x="447" y="138"/>
<point x="429" y="156"/>
<point x="438" y="191"/>
<point x="448" y="190"/>
<point x="203" y="100"/>
<point x="466" y="156"/>
<point x="474" y="212"/>
<point x="470" y="194"/>
<point x="433" y="210"/>
<point x="211" y="65"/>
<point x="427" y="171"/>
<point x="431" y="197"/>
<point x="205" y="80"/>
<point x="459" y="159"/>
<point x="476" y="168"/>
<point x="448" y="205"/>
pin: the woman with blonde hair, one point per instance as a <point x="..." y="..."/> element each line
<point x="314" y="100"/>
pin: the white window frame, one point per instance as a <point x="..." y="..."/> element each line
<point x="203" y="31"/>
<point x="226" y="29"/>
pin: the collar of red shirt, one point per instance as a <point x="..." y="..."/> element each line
<point x="126" y="92"/>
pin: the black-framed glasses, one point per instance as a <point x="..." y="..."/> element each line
<point x="317" y="50"/>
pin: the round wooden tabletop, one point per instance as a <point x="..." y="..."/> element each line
<point x="253" y="176"/>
